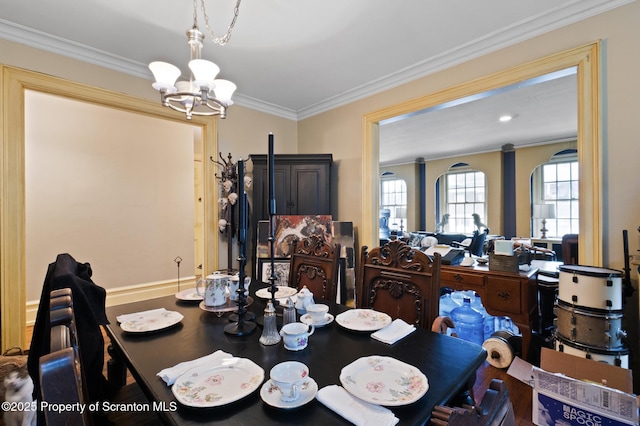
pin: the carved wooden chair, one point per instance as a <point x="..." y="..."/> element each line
<point x="314" y="263"/>
<point x="400" y="281"/>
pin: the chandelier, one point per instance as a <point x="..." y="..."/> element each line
<point x="203" y="94"/>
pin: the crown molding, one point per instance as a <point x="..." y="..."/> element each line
<point x="561" y="16"/>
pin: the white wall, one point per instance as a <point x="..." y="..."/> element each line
<point x="109" y="187"/>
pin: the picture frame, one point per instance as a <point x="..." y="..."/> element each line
<point x="281" y="265"/>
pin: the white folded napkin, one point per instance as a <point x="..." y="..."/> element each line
<point x="128" y="317"/>
<point x="394" y="331"/>
<point x="358" y="412"/>
<point x="171" y="374"/>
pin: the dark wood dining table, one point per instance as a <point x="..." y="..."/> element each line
<point x="448" y="363"/>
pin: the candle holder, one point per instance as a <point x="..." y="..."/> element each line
<point x="242" y="326"/>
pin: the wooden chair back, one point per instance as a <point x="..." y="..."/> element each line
<point x="400" y="281"/>
<point x="314" y="263"/>
<point x="61" y="376"/>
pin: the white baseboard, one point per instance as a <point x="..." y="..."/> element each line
<point x="128" y="294"/>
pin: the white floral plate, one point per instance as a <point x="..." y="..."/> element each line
<point x="384" y="381"/>
<point x="363" y="319"/>
<point x="189" y="295"/>
<point x="270" y="394"/>
<point x="155" y="320"/>
<point x="306" y="318"/>
<point x="221" y="383"/>
<point x="282" y="292"/>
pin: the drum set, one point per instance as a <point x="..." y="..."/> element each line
<point x="589" y="314"/>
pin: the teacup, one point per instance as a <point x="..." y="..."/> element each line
<point x="295" y="335"/>
<point x="234" y="283"/>
<point x="317" y="312"/>
<point x="214" y="290"/>
<point x="289" y="376"/>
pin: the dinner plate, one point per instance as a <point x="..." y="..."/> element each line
<point x="229" y="306"/>
<point x="151" y="321"/>
<point x="224" y="382"/>
<point x="282" y="292"/>
<point x="270" y="394"/>
<point x="188" y="295"/>
<point x="306" y="318"/>
<point x="363" y="319"/>
<point x="384" y="381"/>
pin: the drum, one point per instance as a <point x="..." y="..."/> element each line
<point x="590" y="287"/>
<point x="589" y="327"/>
<point x="502" y="347"/>
<point x="618" y="358"/>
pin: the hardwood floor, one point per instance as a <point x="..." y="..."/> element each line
<point x="519" y="393"/>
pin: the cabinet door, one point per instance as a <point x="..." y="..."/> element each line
<point x="261" y="191"/>
<point x="310" y="192"/>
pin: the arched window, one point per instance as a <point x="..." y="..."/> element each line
<point x="393" y="197"/>
<point x="463" y="193"/>
<point x="555" y="183"/>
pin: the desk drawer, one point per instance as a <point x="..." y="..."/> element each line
<point x="461" y="278"/>
<point x="503" y="294"/>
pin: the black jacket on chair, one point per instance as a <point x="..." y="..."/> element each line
<point x="89" y="311"/>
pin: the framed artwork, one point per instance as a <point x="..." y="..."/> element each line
<point x="281" y="266"/>
<point x="290" y="228"/>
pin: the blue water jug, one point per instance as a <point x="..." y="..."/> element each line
<point x="447" y="305"/>
<point x="489" y="327"/>
<point x="469" y="323"/>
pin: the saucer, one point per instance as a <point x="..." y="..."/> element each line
<point x="189" y="295"/>
<point x="270" y="394"/>
<point x="306" y="318"/>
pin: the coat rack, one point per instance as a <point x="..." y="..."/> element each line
<point x="228" y="200"/>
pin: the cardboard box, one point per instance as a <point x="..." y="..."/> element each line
<point x="568" y="390"/>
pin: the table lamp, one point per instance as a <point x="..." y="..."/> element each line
<point x="544" y="212"/>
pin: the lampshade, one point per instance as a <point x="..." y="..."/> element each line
<point x="204" y="72"/>
<point x="401" y="212"/>
<point x="544" y="211"/>
<point x="165" y="75"/>
<point x="224" y="90"/>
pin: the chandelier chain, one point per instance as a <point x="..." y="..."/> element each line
<point x="218" y="40"/>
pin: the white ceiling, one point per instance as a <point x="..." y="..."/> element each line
<point x="544" y="110"/>
<point x="292" y="58"/>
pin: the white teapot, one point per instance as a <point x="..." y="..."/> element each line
<point x="304" y="299"/>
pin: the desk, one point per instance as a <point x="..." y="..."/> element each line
<point x="502" y="293"/>
<point x="447" y="362"/>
